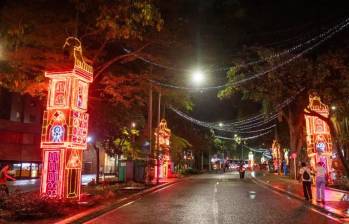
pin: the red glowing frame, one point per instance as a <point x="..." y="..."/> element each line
<point x="64" y="130"/>
<point x="164" y="148"/>
<point x="319" y="141"/>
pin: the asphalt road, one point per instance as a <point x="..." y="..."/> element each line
<point x="214" y="198"/>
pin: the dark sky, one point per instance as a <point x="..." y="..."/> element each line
<point x="217" y="31"/>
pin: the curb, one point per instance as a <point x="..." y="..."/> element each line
<point x="102" y="209"/>
<point x="296" y="196"/>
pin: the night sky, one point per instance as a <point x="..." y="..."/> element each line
<point x="217" y="32"/>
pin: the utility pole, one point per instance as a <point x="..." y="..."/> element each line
<point x="278" y="150"/>
<point x="150" y="124"/>
<point x="158" y="143"/>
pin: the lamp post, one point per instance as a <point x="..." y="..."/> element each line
<point x="91" y="142"/>
<point x="197" y="77"/>
<point x="158" y="143"/>
<point x="133" y="133"/>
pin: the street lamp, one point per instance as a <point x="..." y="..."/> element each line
<point x="133" y="133"/>
<point x="91" y="142"/>
<point x="89" y="139"/>
<point x="198" y="77"/>
<point x="220" y="124"/>
<point x="333" y="107"/>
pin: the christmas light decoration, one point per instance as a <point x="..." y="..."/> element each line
<point x="163" y="143"/>
<point x="65" y="128"/>
<point x="276" y="154"/>
<point x="321" y="38"/>
<point x="319" y="140"/>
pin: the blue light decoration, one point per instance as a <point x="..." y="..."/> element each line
<point x="57" y="133"/>
<point x="320" y="147"/>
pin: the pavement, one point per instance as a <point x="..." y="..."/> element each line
<point x="336" y="201"/>
<point x="213" y="198"/>
<point x="28" y="185"/>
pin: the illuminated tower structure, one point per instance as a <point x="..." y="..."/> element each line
<point x="164" y="148"/>
<point x="319" y="141"/>
<point x="65" y="127"/>
<point x="276" y="154"/>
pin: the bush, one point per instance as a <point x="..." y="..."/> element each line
<point x="32" y="206"/>
<point x="190" y="171"/>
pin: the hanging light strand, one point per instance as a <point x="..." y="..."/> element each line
<point x="257" y="75"/>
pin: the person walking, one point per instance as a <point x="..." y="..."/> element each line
<point x="242" y="170"/>
<point x="3" y="178"/>
<point x="320" y="174"/>
<point x="305" y="174"/>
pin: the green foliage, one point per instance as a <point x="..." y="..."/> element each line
<point x="178" y="146"/>
<point x="127" y="19"/>
<point x="190" y="171"/>
<point x="33" y="34"/>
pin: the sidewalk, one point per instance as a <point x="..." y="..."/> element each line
<point x="28" y="185"/>
<point x="99" y="210"/>
<point x="336" y="202"/>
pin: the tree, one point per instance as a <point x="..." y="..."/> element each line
<point x="178" y="146"/>
<point x="33" y="35"/>
<point x="324" y="73"/>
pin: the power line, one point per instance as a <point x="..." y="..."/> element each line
<point x="326" y="35"/>
<point x="282" y="53"/>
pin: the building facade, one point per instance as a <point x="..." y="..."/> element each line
<point x="20" y="128"/>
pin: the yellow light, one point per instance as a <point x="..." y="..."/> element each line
<point x="198" y="77"/>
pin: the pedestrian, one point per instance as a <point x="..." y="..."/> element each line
<point x="305" y="176"/>
<point x="284" y="167"/>
<point x="320" y="173"/>
<point x="3" y="178"/>
<point x="242" y="170"/>
<point x="226" y="166"/>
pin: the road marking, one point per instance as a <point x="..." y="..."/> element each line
<point x="215" y="205"/>
<point x="163" y="188"/>
<point x="107" y="213"/>
<point x="127" y="204"/>
<point x="310" y="208"/>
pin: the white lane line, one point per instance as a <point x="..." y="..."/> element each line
<point x="310" y="208"/>
<point x="215" y="205"/>
<point x="127" y="204"/>
<point x="107" y="213"/>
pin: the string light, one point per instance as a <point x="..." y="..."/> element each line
<point x="276" y="55"/>
<point x="322" y="36"/>
<point x="325" y="36"/>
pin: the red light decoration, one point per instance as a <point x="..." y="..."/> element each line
<point x="276" y="154"/>
<point x="319" y="141"/>
<point x="164" y="144"/>
<point x="65" y="128"/>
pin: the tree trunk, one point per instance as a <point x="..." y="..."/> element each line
<point x="335" y="137"/>
<point x="295" y="121"/>
<point x="97" y="163"/>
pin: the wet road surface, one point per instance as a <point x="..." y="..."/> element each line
<point x="214" y="198"/>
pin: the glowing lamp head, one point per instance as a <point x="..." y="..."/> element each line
<point x="220" y="124"/>
<point x="89" y="139"/>
<point x="333" y="107"/>
<point x="198" y="77"/>
<point x="133" y="124"/>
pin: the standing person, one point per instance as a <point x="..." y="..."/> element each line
<point x="305" y="174"/>
<point x="320" y="173"/>
<point x="242" y="170"/>
<point x="3" y="178"/>
<point x="226" y="166"/>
